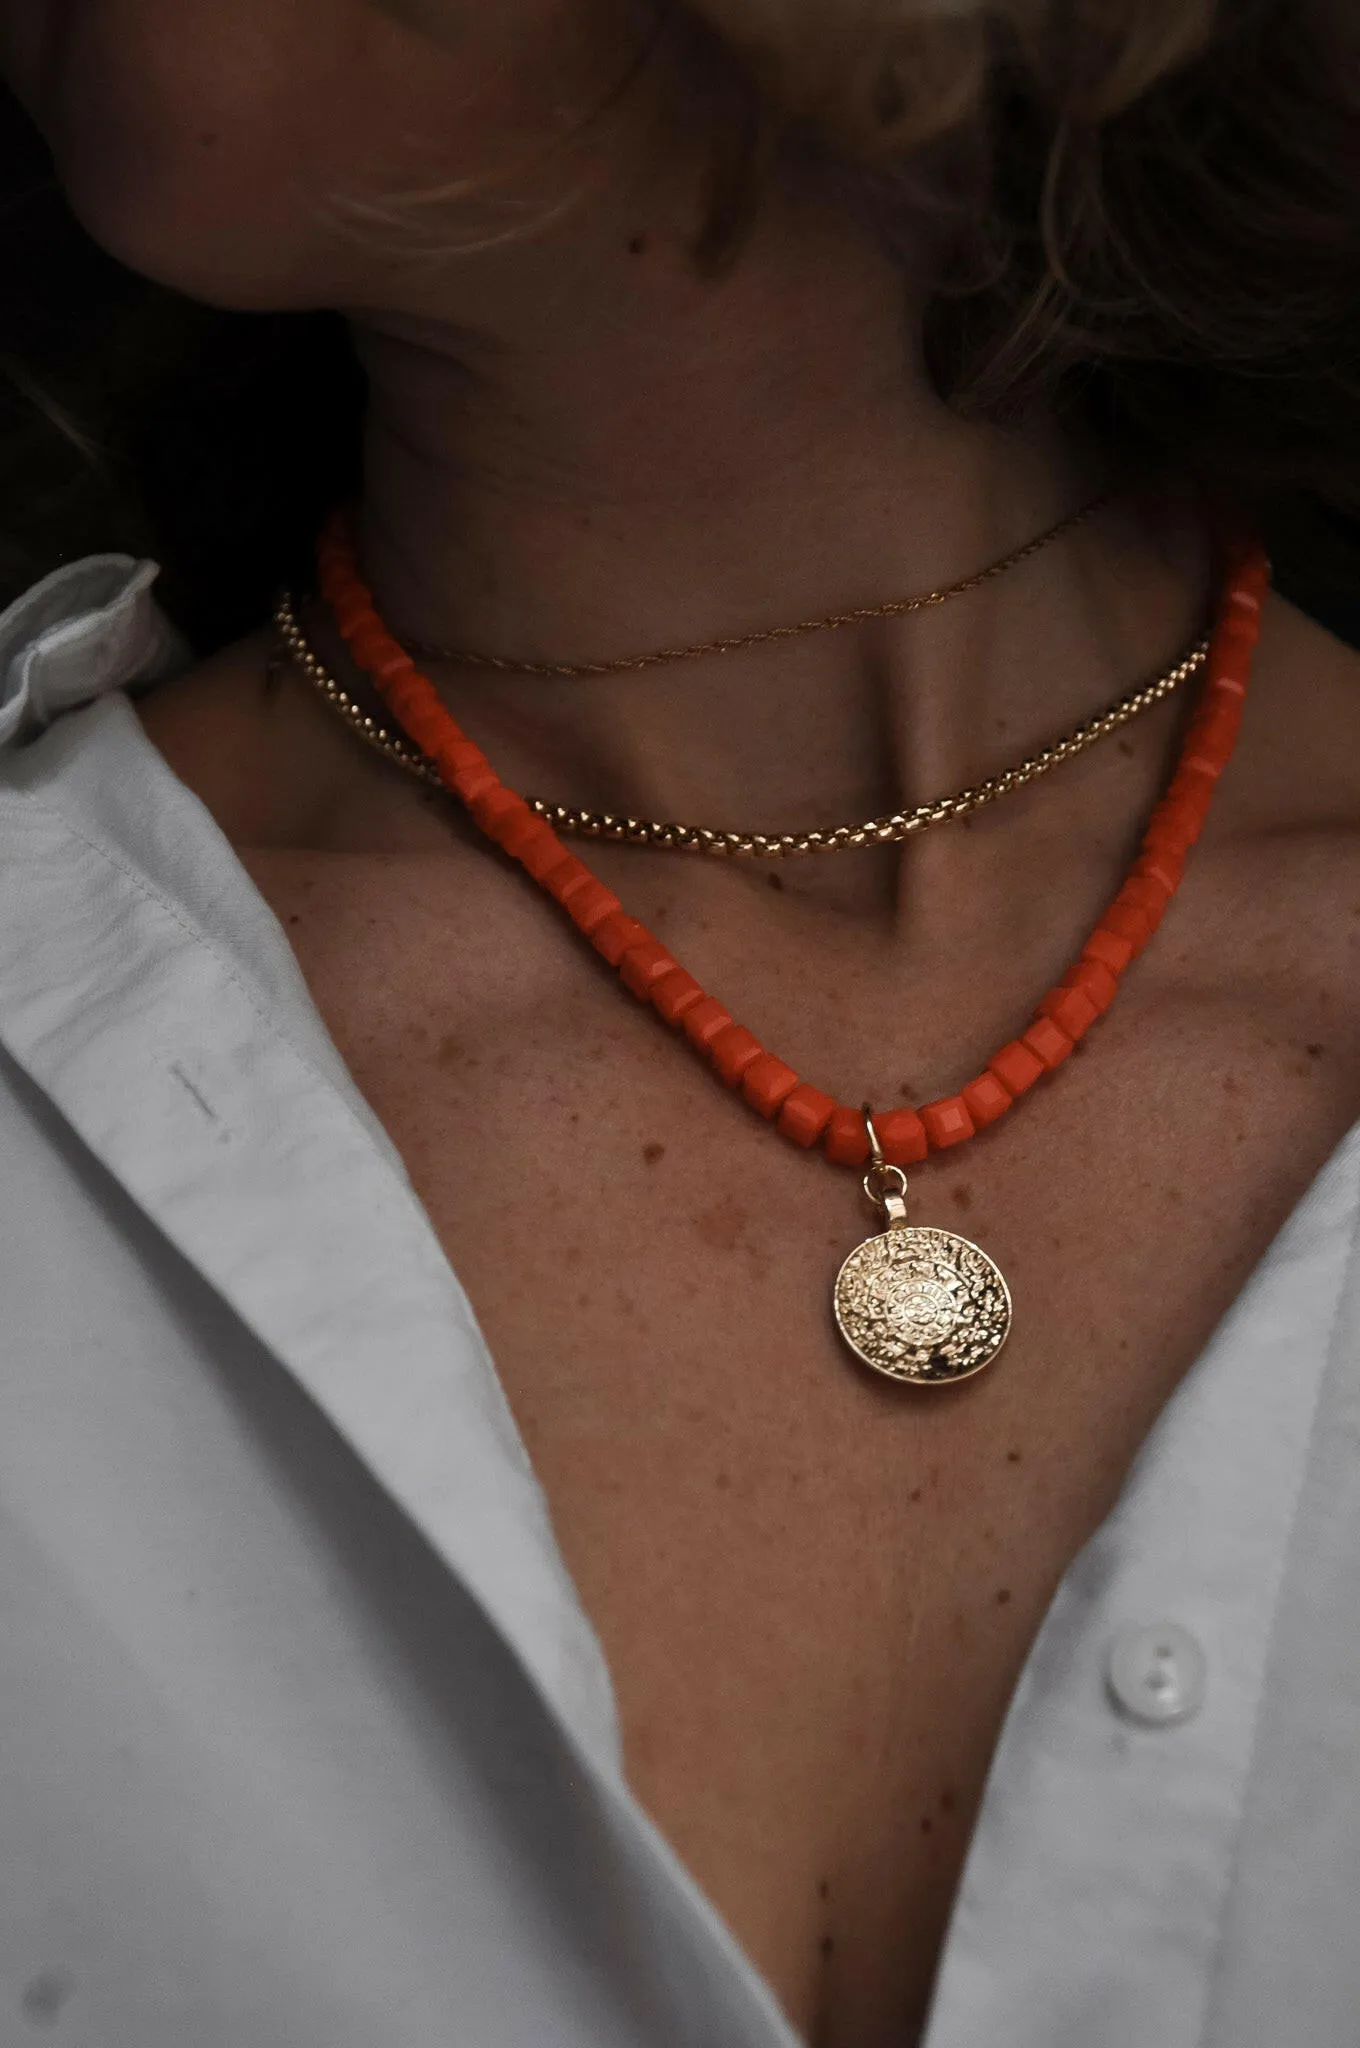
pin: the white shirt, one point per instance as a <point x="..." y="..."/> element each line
<point x="305" y="1739"/>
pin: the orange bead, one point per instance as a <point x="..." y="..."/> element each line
<point x="732" y="1052"/>
<point x="354" y="615"/>
<point x="563" y="872"/>
<point x="369" y="646"/>
<point x="514" y="828"/>
<point x="542" y="854"/>
<point x="1161" y="843"/>
<point x="1048" y="1041"/>
<point x="1016" y="1066"/>
<point x="614" y="934"/>
<point x="847" y="1141"/>
<point x="675" y="993"/>
<point x="1206" y="756"/>
<point x="1234" y="638"/>
<point x="472" y="784"/>
<point x="591" y="905"/>
<point x="1215" y="731"/>
<point x="1071" y="1009"/>
<point x="805" y="1114"/>
<point x="1232" y="652"/>
<point x="1197" y="778"/>
<point x="407" y="701"/>
<point x="1127" y="923"/>
<point x="422" y="727"/>
<point x="947" y="1122"/>
<point x="1095" y="980"/>
<point x="1180" y="812"/>
<point x="1108" y="949"/>
<point x="525" y="836"/>
<point x="902" y="1136"/>
<point x="643" y="965"/>
<point x="1136" y="914"/>
<point x="350" y="614"/>
<point x="986" y="1099"/>
<point x="767" y="1084"/>
<point x="1142" y="892"/>
<point x="1236" y="645"/>
<point x="571" y="878"/>
<point x="497" y="809"/>
<point x="702" y="1023"/>
<point x="456" y="756"/>
<point x="408" y="697"/>
<point x="1182" y="816"/>
<point x="395" y="664"/>
<point x="1163" y="868"/>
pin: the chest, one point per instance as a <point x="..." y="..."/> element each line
<point x="815" y="1590"/>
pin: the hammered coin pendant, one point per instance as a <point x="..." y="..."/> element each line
<point x="922" y="1306"/>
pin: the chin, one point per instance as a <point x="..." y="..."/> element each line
<point x="182" y="220"/>
<point x="177" y="187"/>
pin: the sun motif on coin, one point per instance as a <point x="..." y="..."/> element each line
<point x="923" y="1306"/>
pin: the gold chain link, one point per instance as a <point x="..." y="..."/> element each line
<point x="675" y="837"/>
<point x="736" y="643"/>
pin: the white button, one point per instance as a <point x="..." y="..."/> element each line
<point x="1156" y="1675"/>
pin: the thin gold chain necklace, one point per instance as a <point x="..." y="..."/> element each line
<point x="736" y="643"/>
<point x="675" y="837"/>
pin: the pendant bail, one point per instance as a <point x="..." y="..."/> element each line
<point x="885" y="1185"/>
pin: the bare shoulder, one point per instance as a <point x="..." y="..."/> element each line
<point x="260" y="751"/>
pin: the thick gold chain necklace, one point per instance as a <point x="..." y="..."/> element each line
<point x="679" y="838"/>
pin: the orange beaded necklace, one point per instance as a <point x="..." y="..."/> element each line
<point x="923" y="1306"/>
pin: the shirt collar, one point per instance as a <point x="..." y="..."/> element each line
<point x="148" y="989"/>
<point x="89" y="627"/>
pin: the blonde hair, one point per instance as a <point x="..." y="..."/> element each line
<point x="886" y="76"/>
<point x="1154" y="202"/>
<point x="1151" y="204"/>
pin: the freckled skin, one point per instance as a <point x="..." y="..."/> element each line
<point x="721" y="1227"/>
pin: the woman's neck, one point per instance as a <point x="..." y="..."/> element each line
<point x="645" y="458"/>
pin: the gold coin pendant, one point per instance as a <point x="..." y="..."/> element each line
<point x="922" y="1306"/>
